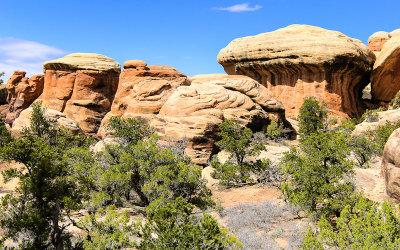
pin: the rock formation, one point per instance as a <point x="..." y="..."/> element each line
<point x="385" y="77"/>
<point x="82" y="86"/>
<point x="192" y="113"/>
<point x="377" y="40"/>
<point x="300" y="61"/>
<point x="391" y="165"/>
<point x="391" y="116"/>
<point x="24" y="121"/>
<point x="22" y="92"/>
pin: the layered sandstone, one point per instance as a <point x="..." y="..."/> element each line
<point x="192" y="113"/>
<point x="22" y="92"/>
<point x="377" y="40"/>
<point x="391" y="165"/>
<point x="300" y="61"/>
<point x="82" y="86"/>
<point x="385" y="77"/>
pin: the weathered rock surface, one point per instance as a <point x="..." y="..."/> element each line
<point x="377" y="40"/>
<point x="391" y="165"/>
<point x="81" y="85"/>
<point x="300" y="61"/>
<point x="385" y="77"/>
<point x="24" y="121"/>
<point x="22" y="92"/>
<point x="391" y="116"/>
<point x="193" y="113"/>
<point x="144" y="90"/>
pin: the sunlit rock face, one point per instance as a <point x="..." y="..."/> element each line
<point x="301" y="61"/>
<point x="377" y="40"/>
<point x="391" y="165"/>
<point x="22" y="92"/>
<point x="82" y="86"/>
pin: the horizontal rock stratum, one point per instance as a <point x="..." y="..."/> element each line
<point x="302" y="60"/>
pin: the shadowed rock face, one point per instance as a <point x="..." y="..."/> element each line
<point x="22" y="92"/>
<point x="391" y="165"/>
<point x="300" y="61"/>
<point x="385" y="76"/>
<point x="82" y="86"/>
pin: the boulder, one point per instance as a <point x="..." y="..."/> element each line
<point x="391" y="116"/>
<point x="301" y="61"/>
<point x="391" y="165"/>
<point x="385" y="77"/>
<point x="82" y="86"/>
<point x="24" y="121"/>
<point x="144" y="90"/>
<point x="22" y="92"/>
<point x="377" y="40"/>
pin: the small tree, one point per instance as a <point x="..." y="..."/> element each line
<point x="362" y="226"/>
<point x="35" y="216"/>
<point x="239" y="143"/>
<point x="319" y="174"/>
<point x="274" y="131"/>
<point x="174" y="226"/>
<point x="312" y="117"/>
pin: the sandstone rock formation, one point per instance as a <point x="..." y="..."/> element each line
<point x="144" y="90"/>
<point x="300" y="61"/>
<point x="22" y="92"/>
<point x="377" y="40"/>
<point x="82" y="86"/>
<point x="385" y="77"/>
<point x="24" y="121"/>
<point x="391" y="116"/>
<point x="391" y="165"/>
<point x="193" y="113"/>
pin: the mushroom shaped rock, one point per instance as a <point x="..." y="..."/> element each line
<point x="144" y="90"/>
<point x="301" y="61"/>
<point x="22" y="92"/>
<point x="82" y="86"/>
<point x="385" y="77"/>
<point x="391" y="165"/>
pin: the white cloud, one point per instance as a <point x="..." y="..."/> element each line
<point x="239" y="8"/>
<point x="18" y="54"/>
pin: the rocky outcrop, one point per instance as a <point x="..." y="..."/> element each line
<point x="385" y="77"/>
<point x="193" y="113"/>
<point x="391" y="116"/>
<point x="300" y="61"/>
<point x="391" y="165"/>
<point x="22" y="92"/>
<point x="377" y="40"/>
<point x="24" y="121"/>
<point x="82" y="86"/>
<point x="144" y="89"/>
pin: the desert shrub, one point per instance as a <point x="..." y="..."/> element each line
<point x="363" y="150"/>
<point x="137" y="171"/>
<point x="395" y="102"/>
<point x="274" y="132"/>
<point x="174" y="226"/>
<point x="362" y="226"/>
<point x="312" y="117"/>
<point x="381" y="135"/>
<point x="318" y="176"/>
<point x="371" y="115"/>
<point x="254" y="223"/>
<point x="240" y="144"/>
<point x="5" y="135"/>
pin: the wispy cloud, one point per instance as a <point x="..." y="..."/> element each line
<point x="244" y="7"/>
<point x="18" y="54"/>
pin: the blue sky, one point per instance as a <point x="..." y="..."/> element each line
<point x="186" y="34"/>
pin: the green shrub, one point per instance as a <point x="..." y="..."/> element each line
<point x="239" y="143"/>
<point x="174" y="226"/>
<point x="274" y="132"/>
<point x="381" y="135"/>
<point x="395" y="102"/>
<point x="371" y="115"/>
<point x="363" y="150"/>
<point x="312" y="117"/>
<point x="362" y="226"/>
<point x="318" y="176"/>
